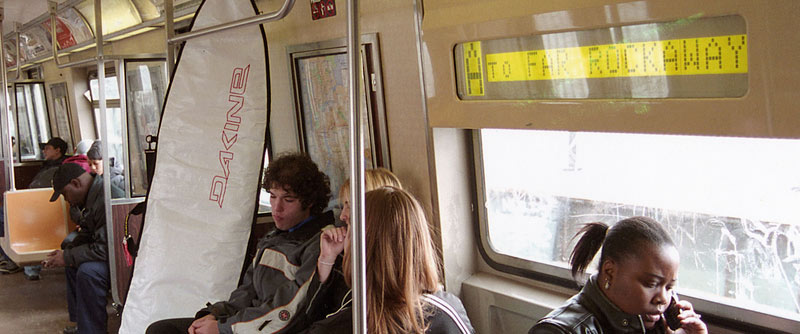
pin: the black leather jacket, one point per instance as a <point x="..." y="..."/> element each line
<point x="91" y="243"/>
<point x="591" y="312"/>
<point x="276" y="284"/>
<point x="44" y="178"/>
<point x="445" y="314"/>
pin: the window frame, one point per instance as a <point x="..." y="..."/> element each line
<point x="126" y="115"/>
<point x="539" y="271"/>
<point x="714" y="310"/>
<point x="16" y="120"/>
<point x="372" y="95"/>
<point x="54" y="90"/>
<point x="112" y="103"/>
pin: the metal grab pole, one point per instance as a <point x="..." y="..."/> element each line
<point x="53" y="7"/>
<point x="357" y="221"/>
<point x="17" y="28"/>
<point x="169" y="30"/>
<point x="263" y="18"/>
<point x="104" y="136"/>
<point x="6" y="108"/>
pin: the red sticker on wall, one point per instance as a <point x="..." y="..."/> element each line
<point x="322" y="8"/>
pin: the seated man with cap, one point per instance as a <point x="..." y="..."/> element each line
<point x="55" y="151"/>
<point x="86" y="256"/>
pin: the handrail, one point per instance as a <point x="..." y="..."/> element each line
<point x="169" y="31"/>
<point x="18" y="58"/>
<point x="104" y="135"/>
<point x="77" y="62"/>
<point x="274" y="16"/>
<point x="53" y="12"/>
<point x="358" y="221"/>
<point x="53" y="8"/>
<point x="111" y="58"/>
<point x="5" y="109"/>
<point x="157" y="22"/>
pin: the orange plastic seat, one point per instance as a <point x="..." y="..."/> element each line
<point x="34" y="226"/>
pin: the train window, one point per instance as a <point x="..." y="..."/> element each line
<point x="114" y="123"/>
<point x="730" y="204"/>
<point x="13" y="132"/>
<point x="114" y="119"/>
<point x="145" y="88"/>
<point x="114" y="115"/>
<point x="33" y="123"/>
<point x="693" y="57"/>
<point x="263" y="196"/>
<point x="111" y="88"/>
<point x="63" y="126"/>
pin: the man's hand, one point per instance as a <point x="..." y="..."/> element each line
<point x="54" y="259"/>
<point x="204" y="325"/>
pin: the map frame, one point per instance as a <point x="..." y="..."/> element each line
<point x="336" y="166"/>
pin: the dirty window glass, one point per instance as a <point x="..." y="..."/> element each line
<point x="145" y="88"/>
<point x="730" y="204"/>
<point x="33" y="124"/>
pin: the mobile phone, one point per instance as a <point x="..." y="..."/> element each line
<point x="671" y="313"/>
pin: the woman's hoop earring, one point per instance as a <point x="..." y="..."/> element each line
<point x="606" y="285"/>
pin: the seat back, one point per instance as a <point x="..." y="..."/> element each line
<point x="34" y="226"/>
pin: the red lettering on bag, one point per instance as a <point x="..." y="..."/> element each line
<point x="229" y="135"/>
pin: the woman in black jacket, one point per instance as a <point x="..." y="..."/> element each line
<point x="632" y="290"/>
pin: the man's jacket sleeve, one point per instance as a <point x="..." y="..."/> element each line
<point x="288" y="299"/>
<point x="240" y="299"/>
<point x="95" y="249"/>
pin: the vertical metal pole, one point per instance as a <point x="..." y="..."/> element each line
<point x="6" y="108"/>
<point x="170" y="32"/>
<point x="121" y="66"/>
<point x="53" y="7"/>
<point x="357" y="221"/>
<point x="18" y="27"/>
<point x="104" y="136"/>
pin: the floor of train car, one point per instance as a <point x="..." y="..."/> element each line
<point x="34" y="307"/>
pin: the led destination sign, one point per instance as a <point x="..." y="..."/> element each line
<point x="490" y="70"/>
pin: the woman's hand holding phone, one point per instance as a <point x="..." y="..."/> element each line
<point x="681" y="318"/>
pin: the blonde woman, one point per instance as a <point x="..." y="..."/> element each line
<point x="403" y="288"/>
<point x="332" y="261"/>
<point x="373" y="179"/>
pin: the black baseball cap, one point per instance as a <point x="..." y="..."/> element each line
<point x="56" y="142"/>
<point x="63" y="175"/>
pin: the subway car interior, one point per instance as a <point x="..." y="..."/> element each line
<point x="679" y="111"/>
